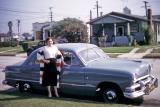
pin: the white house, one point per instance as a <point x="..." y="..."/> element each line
<point x="42" y="30"/>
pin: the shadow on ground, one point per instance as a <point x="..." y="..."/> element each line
<point x="42" y="95"/>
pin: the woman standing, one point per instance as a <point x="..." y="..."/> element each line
<point x="49" y="78"/>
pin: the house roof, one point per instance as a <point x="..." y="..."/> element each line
<point x="4" y="35"/>
<point x="127" y="17"/>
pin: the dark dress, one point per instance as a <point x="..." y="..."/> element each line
<point x="50" y="73"/>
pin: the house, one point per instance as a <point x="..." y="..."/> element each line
<point x="119" y="28"/>
<point x="42" y="30"/>
<point x="4" y="37"/>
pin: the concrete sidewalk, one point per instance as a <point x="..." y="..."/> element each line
<point x="23" y="55"/>
<point x="135" y="55"/>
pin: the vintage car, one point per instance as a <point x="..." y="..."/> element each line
<point x="90" y="72"/>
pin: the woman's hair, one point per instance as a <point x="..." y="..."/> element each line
<point x="49" y="39"/>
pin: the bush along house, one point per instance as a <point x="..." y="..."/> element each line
<point x="119" y="29"/>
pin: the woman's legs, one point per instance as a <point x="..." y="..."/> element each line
<point x="56" y="91"/>
<point x="49" y="91"/>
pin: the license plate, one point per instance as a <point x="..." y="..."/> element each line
<point x="151" y="87"/>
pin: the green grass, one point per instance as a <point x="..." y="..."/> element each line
<point x="16" y="99"/>
<point x="113" y="55"/>
<point x="127" y="49"/>
<point x="11" y="50"/>
<point x="117" y="49"/>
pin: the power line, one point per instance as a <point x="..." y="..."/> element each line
<point x="20" y="11"/>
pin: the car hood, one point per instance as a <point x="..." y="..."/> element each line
<point x="137" y="67"/>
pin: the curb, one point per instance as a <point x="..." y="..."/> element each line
<point x="3" y="54"/>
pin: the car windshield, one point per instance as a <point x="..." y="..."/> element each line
<point x="92" y="54"/>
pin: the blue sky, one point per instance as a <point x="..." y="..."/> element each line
<point x="30" y="11"/>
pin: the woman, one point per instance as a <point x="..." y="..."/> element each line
<point x="49" y="78"/>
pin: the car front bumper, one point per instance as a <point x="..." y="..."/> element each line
<point x="143" y="87"/>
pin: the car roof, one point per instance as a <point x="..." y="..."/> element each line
<point x="76" y="47"/>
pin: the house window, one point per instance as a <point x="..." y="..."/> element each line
<point x="134" y="28"/>
<point x="120" y="31"/>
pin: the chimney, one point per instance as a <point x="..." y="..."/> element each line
<point x="126" y="10"/>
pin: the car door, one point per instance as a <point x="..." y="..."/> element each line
<point x="72" y="76"/>
<point x="31" y="70"/>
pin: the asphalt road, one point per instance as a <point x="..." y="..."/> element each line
<point x="152" y="100"/>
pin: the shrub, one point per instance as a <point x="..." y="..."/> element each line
<point x="26" y="45"/>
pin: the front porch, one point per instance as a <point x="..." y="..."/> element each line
<point x="111" y="30"/>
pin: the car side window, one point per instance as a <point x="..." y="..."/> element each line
<point x="70" y="58"/>
<point x="33" y="60"/>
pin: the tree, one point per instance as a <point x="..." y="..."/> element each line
<point x="149" y="36"/>
<point x="72" y="29"/>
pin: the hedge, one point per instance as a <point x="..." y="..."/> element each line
<point x="8" y="44"/>
<point x="26" y="45"/>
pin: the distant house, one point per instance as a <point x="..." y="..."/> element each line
<point x="42" y="30"/>
<point x="114" y="28"/>
<point x="4" y="37"/>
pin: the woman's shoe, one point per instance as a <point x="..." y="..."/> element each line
<point x="49" y="96"/>
<point x="57" y="96"/>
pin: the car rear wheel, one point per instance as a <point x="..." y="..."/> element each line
<point x="24" y="87"/>
<point x="110" y="95"/>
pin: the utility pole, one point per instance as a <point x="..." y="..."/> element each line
<point x="97" y="8"/>
<point x="90" y="27"/>
<point x="50" y="32"/>
<point x="18" y="26"/>
<point x="146" y="7"/>
<point x="51" y="13"/>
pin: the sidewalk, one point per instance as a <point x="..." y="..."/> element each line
<point x="23" y="55"/>
<point x="135" y="55"/>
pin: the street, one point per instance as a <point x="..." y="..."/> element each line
<point x="152" y="100"/>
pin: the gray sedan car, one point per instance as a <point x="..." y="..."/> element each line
<point x="90" y="73"/>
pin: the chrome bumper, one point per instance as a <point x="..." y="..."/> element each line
<point x="141" y="88"/>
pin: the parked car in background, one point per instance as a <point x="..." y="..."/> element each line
<point x="90" y="73"/>
<point x="34" y="47"/>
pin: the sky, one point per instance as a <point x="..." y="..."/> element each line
<point x="31" y="11"/>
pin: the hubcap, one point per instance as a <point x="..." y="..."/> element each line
<point x="26" y="87"/>
<point x="110" y="95"/>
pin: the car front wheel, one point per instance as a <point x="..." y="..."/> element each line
<point x="110" y="95"/>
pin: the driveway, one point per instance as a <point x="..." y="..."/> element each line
<point x="4" y="61"/>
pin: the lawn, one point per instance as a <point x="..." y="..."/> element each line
<point x="16" y="99"/>
<point x="10" y="50"/>
<point x="113" y="55"/>
<point x="117" y="49"/>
